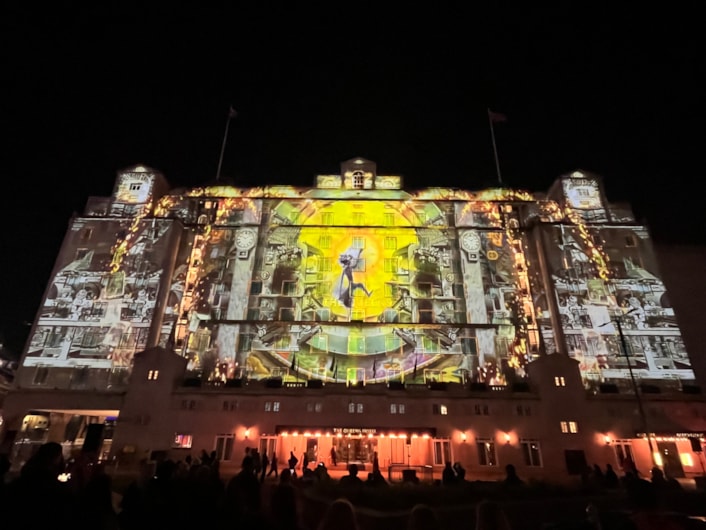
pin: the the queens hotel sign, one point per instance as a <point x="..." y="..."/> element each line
<point x="286" y="430"/>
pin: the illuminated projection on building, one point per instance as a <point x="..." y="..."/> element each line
<point x="631" y="293"/>
<point x="99" y="306"/>
<point x="356" y="280"/>
<point x="358" y="290"/>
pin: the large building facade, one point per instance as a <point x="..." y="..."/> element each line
<point x="489" y="327"/>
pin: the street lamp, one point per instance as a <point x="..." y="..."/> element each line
<point x="641" y="410"/>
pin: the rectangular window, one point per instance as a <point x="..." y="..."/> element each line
<point x="230" y="405"/>
<point x="351" y="408"/>
<point x="531" y="452"/>
<point x="327" y="218"/>
<point x="325" y="264"/>
<point x="569" y="427"/>
<point x="135" y="186"/>
<point x="623" y="452"/>
<point x="358" y="242"/>
<point x="289" y="287"/>
<point x="388" y="219"/>
<point x="224" y="446"/>
<point x="390" y="265"/>
<point x="40" y="375"/>
<point x="442" y="451"/>
<point x="182" y="441"/>
<point x="359" y="408"/>
<point x="275" y="406"/>
<point x="481" y="410"/>
<point x="390" y="243"/>
<point x="152" y="375"/>
<point x="559" y="381"/>
<point x="440" y="410"/>
<point x="324" y="242"/>
<point x="396" y="408"/>
<point x="486" y="452"/>
<point x="358" y="218"/>
<point x="313" y="407"/>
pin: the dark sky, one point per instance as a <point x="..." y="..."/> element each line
<point x="618" y="92"/>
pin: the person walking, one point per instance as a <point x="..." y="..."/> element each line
<point x="273" y="465"/>
<point x="264" y="462"/>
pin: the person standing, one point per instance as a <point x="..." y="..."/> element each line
<point x="334" y="456"/>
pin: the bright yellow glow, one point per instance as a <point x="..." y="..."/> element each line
<point x="658" y="459"/>
<point x="247" y="433"/>
<point x="464" y="437"/>
<point x="686" y="459"/>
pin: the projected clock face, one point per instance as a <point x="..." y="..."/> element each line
<point x="470" y="241"/>
<point x="245" y="239"/>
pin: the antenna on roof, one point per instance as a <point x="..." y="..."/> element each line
<point x="231" y="114"/>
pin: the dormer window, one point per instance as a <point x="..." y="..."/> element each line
<point x="135" y="186"/>
<point x="358" y="180"/>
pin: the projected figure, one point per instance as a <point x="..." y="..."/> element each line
<point x="345" y="287"/>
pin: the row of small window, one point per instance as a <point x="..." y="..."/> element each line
<point x="359" y="408"/>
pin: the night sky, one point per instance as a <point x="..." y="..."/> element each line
<point x="88" y="92"/>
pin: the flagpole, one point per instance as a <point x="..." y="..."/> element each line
<point x="231" y="115"/>
<point x="495" y="147"/>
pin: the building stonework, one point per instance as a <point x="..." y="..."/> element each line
<point x="489" y="327"/>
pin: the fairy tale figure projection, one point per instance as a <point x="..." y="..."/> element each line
<point x="345" y="287"/>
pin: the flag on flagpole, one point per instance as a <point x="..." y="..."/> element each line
<point x="496" y="117"/>
<point x="414" y="373"/>
<point x="333" y="362"/>
<point x="294" y="361"/>
<point x="232" y="113"/>
<point x="335" y="371"/>
<point x="375" y="364"/>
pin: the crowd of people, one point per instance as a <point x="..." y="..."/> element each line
<point x="50" y="491"/>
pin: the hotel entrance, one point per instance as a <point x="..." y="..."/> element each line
<point x="355" y="449"/>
